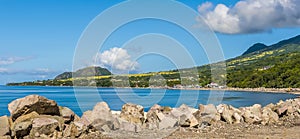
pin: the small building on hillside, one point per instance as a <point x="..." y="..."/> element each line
<point x="213" y="85"/>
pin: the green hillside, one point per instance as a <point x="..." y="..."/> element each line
<point x="274" y="66"/>
<point x="85" y="72"/>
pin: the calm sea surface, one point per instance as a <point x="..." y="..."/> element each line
<point x="82" y="99"/>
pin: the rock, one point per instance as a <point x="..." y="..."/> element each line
<point x="22" y="129"/>
<point x="71" y="131"/>
<point x="226" y="113"/>
<point x="86" y="118"/>
<point x="128" y="126"/>
<point x="4" y="126"/>
<point x="151" y="116"/>
<point x="152" y="120"/>
<point x="43" y="125"/>
<point x="271" y="106"/>
<point x="22" y="124"/>
<point x="252" y="115"/>
<point x="238" y="118"/>
<point x="167" y="122"/>
<point x="269" y="116"/>
<point x="101" y="115"/>
<point x="5" y="137"/>
<point x="31" y="103"/>
<point x="282" y="110"/>
<point x="230" y="114"/>
<point x="193" y="122"/>
<point x="184" y="121"/>
<point x="68" y="115"/>
<point x="133" y="113"/>
<point x="208" y="113"/>
<point x="80" y="128"/>
<point x="183" y="114"/>
<point x="166" y="110"/>
<point x="183" y="110"/>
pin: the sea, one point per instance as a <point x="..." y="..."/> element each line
<point x="81" y="99"/>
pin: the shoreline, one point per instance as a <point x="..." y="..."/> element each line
<point x="295" y="91"/>
<point x="29" y="119"/>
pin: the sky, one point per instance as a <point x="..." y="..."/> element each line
<point x="38" y="39"/>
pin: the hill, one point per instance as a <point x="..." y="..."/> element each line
<point x="85" y="72"/>
<point x="274" y="66"/>
<point x="259" y="47"/>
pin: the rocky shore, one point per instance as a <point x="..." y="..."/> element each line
<point x="38" y="117"/>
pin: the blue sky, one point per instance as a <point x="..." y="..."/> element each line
<point x="38" y="38"/>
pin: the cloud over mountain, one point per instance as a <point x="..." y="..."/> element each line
<point x="117" y="59"/>
<point x="251" y="16"/>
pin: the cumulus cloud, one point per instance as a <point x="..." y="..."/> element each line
<point x="117" y="59"/>
<point x="12" y="60"/>
<point x="251" y="16"/>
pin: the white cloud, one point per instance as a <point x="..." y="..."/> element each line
<point x="250" y="16"/>
<point x="117" y="59"/>
<point x="12" y="60"/>
<point x="3" y="70"/>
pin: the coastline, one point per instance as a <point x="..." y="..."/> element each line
<point x="29" y="119"/>
<point x="295" y="91"/>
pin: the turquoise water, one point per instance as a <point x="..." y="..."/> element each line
<point x="88" y="97"/>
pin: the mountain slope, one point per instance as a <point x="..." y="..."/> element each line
<point x="255" y="47"/>
<point x="259" y="47"/>
<point x="274" y="66"/>
<point x="85" y="72"/>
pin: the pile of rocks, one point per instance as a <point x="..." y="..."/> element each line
<point x="37" y="117"/>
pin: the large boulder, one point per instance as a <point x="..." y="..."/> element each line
<point x="98" y="117"/>
<point x="133" y="113"/>
<point x="128" y="126"/>
<point x="44" y="126"/>
<point x="4" y="126"/>
<point x="229" y="114"/>
<point x="207" y="114"/>
<point x="253" y="114"/>
<point x="168" y="122"/>
<point x="31" y="103"/>
<point x="22" y="129"/>
<point x="152" y="118"/>
<point x="68" y="115"/>
<point x="22" y="125"/>
<point x="226" y="113"/>
<point x="269" y="116"/>
<point x="183" y="114"/>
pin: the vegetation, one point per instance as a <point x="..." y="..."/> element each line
<point x="275" y="66"/>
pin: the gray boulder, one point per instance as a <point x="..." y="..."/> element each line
<point x="31" y="103"/>
<point x="168" y="122"/>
